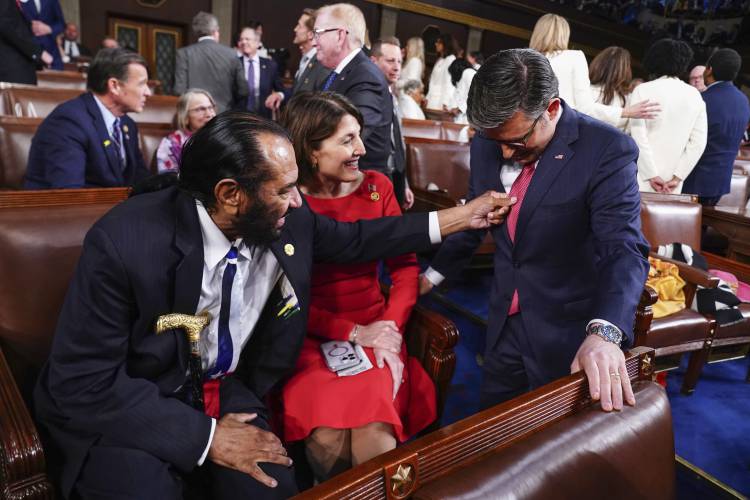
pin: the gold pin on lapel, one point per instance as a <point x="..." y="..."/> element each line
<point x="374" y="195"/>
<point x="289" y="249"/>
<point x="125" y="129"/>
<point x="107" y="142"/>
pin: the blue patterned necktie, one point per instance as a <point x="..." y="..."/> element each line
<point x="224" y="358"/>
<point x="329" y="81"/>
<point x="117" y="139"/>
<point x="251" y="104"/>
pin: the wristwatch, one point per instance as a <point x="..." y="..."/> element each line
<point x="610" y="333"/>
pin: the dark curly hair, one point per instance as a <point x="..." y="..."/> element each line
<point x="725" y="63"/>
<point x="668" y="57"/>
<point x="456" y="69"/>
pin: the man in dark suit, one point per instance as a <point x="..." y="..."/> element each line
<point x="310" y="74"/>
<point x="72" y="49"/>
<point x="19" y="52"/>
<point x="264" y="87"/>
<point x="210" y="66"/>
<point x="570" y="260"/>
<point x="47" y="22"/>
<point x="728" y="116"/>
<point x="90" y="141"/>
<point x="235" y="240"/>
<point x="339" y="36"/>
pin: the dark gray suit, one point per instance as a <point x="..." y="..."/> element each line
<point x="210" y="66"/>
<point x="312" y="78"/>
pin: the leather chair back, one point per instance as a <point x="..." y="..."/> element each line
<point x="738" y="191"/>
<point x="158" y="109"/>
<point x="33" y="102"/>
<point x="40" y="247"/>
<point x="15" y="142"/>
<point x="455" y="132"/>
<point x="444" y="164"/>
<point x="427" y="129"/>
<point x="61" y="80"/>
<point x="671" y="218"/>
<point x="149" y="136"/>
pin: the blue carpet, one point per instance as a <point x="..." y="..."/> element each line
<point x="712" y="427"/>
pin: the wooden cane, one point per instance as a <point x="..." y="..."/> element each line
<point x="192" y="326"/>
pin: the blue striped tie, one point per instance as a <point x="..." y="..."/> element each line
<point x="224" y="358"/>
<point x="329" y="81"/>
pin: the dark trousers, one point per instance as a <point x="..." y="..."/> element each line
<point x="709" y="201"/>
<point x="510" y="368"/>
<point x="115" y="472"/>
<point x="399" y="186"/>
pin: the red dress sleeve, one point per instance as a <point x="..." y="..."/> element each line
<point x="403" y="270"/>
<point x="327" y="325"/>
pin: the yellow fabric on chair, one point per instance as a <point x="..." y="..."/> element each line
<point x="664" y="277"/>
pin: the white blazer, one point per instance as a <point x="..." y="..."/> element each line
<point x="673" y="142"/>
<point x="412" y="70"/>
<point x="441" y="89"/>
<point x="462" y="94"/>
<point x="409" y="107"/>
<point x="596" y="91"/>
<point x="572" y="74"/>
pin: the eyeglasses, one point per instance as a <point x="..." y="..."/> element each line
<point x="317" y="32"/>
<point x="521" y="143"/>
<point x="202" y="110"/>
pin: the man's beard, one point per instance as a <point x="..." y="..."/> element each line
<point x="258" y="225"/>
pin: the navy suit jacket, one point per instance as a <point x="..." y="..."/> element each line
<point x="728" y="115"/>
<point x="579" y="253"/>
<point x="270" y="81"/>
<point x="110" y="379"/>
<point x="52" y="15"/>
<point x="72" y="149"/>
<point x="364" y="84"/>
<point x="19" y="51"/>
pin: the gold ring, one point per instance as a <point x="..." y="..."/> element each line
<point x="613" y="374"/>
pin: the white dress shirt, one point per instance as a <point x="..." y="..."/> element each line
<point x="109" y="123"/>
<point x="346" y="61"/>
<point x="257" y="273"/>
<point x="441" y="89"/>
<point x="672" y="143"/>
<point x="303" y="62"/>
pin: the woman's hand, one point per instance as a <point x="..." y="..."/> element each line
<point x="394" y="363"/>
<point x="644" y="109"/>
<point x="378" y="335"/>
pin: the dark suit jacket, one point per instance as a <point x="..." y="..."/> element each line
<point x="270" y="81"/>
<point x="728" y="115"/>
<point x="110" y="377"/>
<point x="312" y="78"/>
<point x="579" y="252"/>
<point x="210" y="66"/>
<point x="364" y="84"/>
<point x="19" y="52"/>
<point x="72" y="149"/>
<point x="52" y="15"/>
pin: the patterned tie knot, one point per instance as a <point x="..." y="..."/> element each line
<point x="232" y="254"/>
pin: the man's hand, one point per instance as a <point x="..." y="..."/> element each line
<point x="394" y="364"/>
<point x="39" y="28"/>
<point x="658" y="184"/>
<point x="604" y="364"/>
<point x="239" y="445"/>
<point x="645" y="109"/>
<point x="46" y="58"/>
<point x="273" y="101"/>
<point x="380" y="335"/>
<point x="425" y="285"/>
<point x="408" y="198"/>
<point x="481" y="212"/>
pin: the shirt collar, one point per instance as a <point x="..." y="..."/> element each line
<point x="206" y="37"/>
<point x="310" y="53"/>
<point x="717" y="81"/>
<point x="255" y="58"/>
<point x="109" y="118"/>
<point x="215" y="244"/>
<point x="346" y="61"/>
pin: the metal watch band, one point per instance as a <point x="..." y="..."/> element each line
<point x="609" y="333"/>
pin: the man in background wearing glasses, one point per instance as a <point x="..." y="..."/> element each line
<point x="570" y="260"/>
<point x="338" y="36"/>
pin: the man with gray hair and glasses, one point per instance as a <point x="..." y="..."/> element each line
<point x="210" y="66"/>
<point x="570" y="260"/>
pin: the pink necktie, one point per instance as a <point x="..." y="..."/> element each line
<point x="518" y="190"/>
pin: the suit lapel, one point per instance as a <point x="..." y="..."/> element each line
<point x="110" y="150"/>
<point x="553" y="160"/>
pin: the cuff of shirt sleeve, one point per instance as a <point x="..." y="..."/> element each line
<point x="433" y="276"/>
<point x="435" y="237"/>
<point x="603" y="322"/>
<point x="208" y="446"/>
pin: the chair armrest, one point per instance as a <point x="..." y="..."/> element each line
<point x="22" y="465"/>
<point x="739" y="269"/>
<point x="644" y="314"/>
<point x="432" y="338"/>
<point x="426" y="201"/>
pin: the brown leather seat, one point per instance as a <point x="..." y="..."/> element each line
<point x="428" y="129"/>
<point x="37" y="101"/>
<point x="591" y="454"/>
<point x="61" y="79"/>
<point x="158" y="109"/>
<point x="15" y="142"/>
<point x="738" y="191"/>
<point x="445" y="165"/>
<point x="666" y="220"/>
<point x="150" y="135"/>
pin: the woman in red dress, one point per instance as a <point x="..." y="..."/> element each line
<point x="346" y="420"/>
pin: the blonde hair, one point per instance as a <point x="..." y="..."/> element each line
<point x="415" y="48"/>
<point x="551" y="34"/>
<point x="181" y="116"/>
<point x="351" y="18"/>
